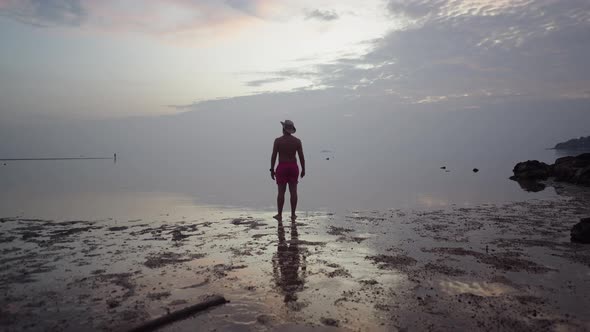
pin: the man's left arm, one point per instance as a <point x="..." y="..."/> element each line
<point x="301" y="158"/>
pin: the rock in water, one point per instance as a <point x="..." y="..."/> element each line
<point x="531" y="170"/>
<point x="574" y="170"/>
<point x="562" y="169"/>
<point x="581" y="231"/>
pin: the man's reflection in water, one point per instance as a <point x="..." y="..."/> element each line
<point x="288" y="264"/>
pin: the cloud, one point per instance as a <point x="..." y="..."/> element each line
<point x="419" y="9"/>
<point x="322" y="15"/>
<point x="257" y="83"/>
<point x="529" y="49"/>
<point x="45" y="13"/>
<point x="415" y="9"/>
<point x="155" y="17"/>
<point x="471" y="50"/>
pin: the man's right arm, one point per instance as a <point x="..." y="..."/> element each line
<point x="273" y="158"/>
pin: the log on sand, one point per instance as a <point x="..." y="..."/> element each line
<point x="180" y="314"/>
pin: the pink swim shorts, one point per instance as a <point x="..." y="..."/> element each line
<point x="287" y="172"/>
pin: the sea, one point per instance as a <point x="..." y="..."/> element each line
<point x="355" y="162"/>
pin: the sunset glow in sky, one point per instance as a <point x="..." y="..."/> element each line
<point x="141" y="56"/>
<point x="119" y="58"/>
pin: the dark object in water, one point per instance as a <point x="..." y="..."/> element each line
<point x="177" y="235"/>
<point x="329" y="322"/>
<point x="180" y="314"/>
<point x="327" y="158"/>
<point x="443" y="167"/>
<point x="574" y="170"/>
<point x="581" y="231"/>
<point x="475" y="170"/>
<point x="113" y="303"/>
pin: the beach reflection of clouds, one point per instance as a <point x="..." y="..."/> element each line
<point x="431" y="201"/>
<point x="100" y="205"/>
<point x="453" y="287"/>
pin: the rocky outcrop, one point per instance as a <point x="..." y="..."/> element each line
<point x="574" y="170"/>
<point x="531" y="170"/>
<point x="582" y="143"/>
<point x="581" y="231"/>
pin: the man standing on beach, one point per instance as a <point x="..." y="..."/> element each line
<point x="287" y="171"/>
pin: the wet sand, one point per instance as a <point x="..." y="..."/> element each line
<point x="487" y="267"/>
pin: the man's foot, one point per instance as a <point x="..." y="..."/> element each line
<point x="278" y="217"/>
<point x="293" y="217"/>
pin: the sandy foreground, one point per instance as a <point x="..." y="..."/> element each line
<point x="487" y="267"/>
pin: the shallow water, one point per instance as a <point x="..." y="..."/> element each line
<point x="374" y="159"/>
<point x="130" y="187"/>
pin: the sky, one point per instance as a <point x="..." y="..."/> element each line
<point x="111" y="59"/>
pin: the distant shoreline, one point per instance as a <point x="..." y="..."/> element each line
<point x="569" y="149"/>
<point x="574" y="144"/>
<point x="80" y="158"/>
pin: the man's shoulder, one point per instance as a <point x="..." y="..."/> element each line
<point x="294" y="140"/>
<point x="287" y="139"/>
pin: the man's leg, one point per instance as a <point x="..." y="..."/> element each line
<point x="281" y="200"/>
<point x="293" y="194"/>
